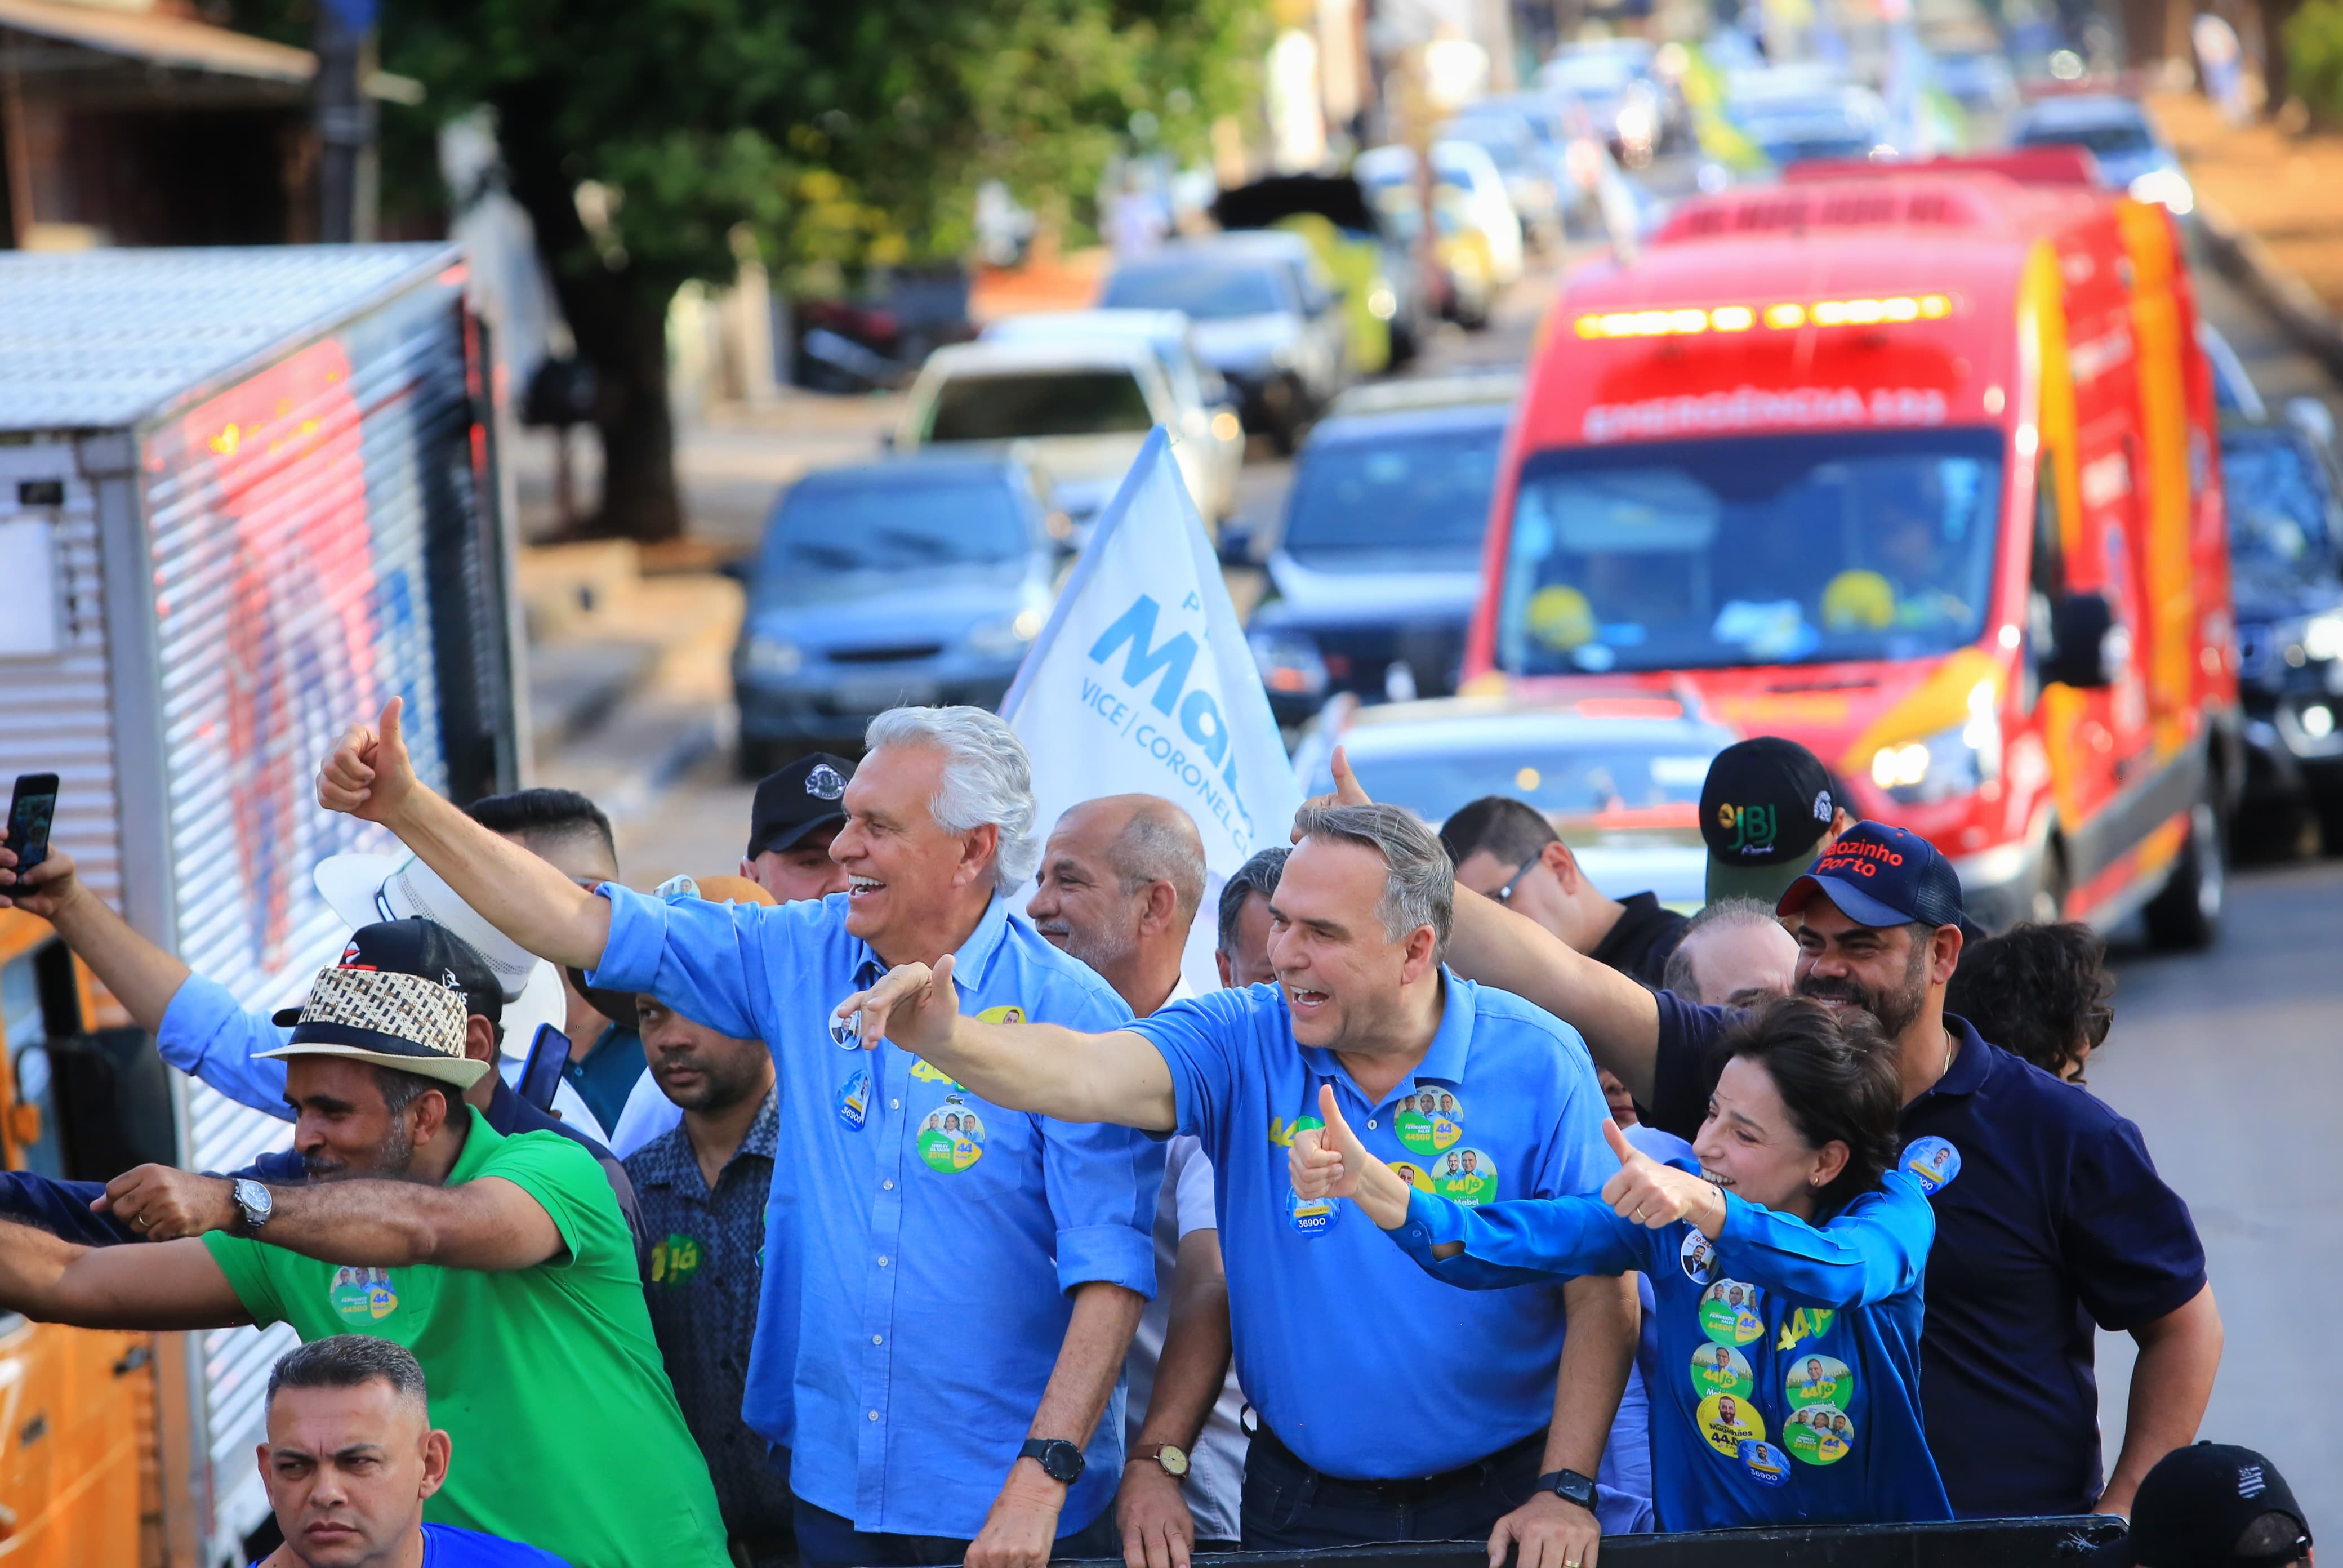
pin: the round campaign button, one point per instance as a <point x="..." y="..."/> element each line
<point x="1727" y="1422"/>
<point x="1466" y="1176"/>
<point x="1728" y="1312"/>
<point x="1932" y="1163"/>
<point x="854" y="1099"/>
<point x="364" y="1295"/>
<point x="1817" y="1379"/>
<point x="1310" y="1216"/>
<point x="1698" y="1255"/>
<point x="1414" y="1175"/>
<point x="845" y="1029"/>
<point x="1430" y="1121"/>
<point x="1764" y="1463"/>
<point x="952" y="1140"/>
<point x="1721" y="1369"/>
<point x="1818" y="1435"/>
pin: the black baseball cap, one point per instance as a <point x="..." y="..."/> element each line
<point x="415" y="945"/>
<point x="1881" y="876"/>
<point x="1764" y="809"/>
<point x="2194" y="1506"/>
<point x="796" y="800"/>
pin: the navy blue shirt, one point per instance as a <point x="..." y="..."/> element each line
<point x="2050" y="1219"/>
<point x="1788" y="1389"/>
<point x="1504" y="1105"/>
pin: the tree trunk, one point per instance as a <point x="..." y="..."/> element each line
<point x="618" y="318"/>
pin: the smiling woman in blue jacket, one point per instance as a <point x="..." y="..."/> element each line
<point x="1787" y="1271"/>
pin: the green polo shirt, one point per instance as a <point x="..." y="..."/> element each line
<point x="565" y="1429"/>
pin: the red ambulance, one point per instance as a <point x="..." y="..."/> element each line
<point x="1915" y="464"/>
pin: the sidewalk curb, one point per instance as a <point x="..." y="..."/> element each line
<point x="2245" y="261"/>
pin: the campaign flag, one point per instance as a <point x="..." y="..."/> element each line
<point x="1141" y="683"/>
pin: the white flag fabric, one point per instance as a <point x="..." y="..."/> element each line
<point x="1141" y="683"/>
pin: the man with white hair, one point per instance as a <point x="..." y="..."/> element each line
<point x="929" y="1305"/>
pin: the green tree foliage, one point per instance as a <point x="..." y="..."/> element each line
<point x="2313" y="56"/>
<point x="842" y="134"/>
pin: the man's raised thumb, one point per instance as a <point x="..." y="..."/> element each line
<point x="940" y="978"/>
<point x="1625" y="1151"/>
<point x="1338" y="1131"/>
<point x="1347" y="788"/>
<point x="386" y="726"/>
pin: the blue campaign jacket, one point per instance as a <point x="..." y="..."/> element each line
<point x="1787" y="1385"/>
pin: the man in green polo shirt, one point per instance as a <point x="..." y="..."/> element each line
<point x="502" y="1263"/>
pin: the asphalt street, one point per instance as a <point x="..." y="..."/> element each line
<point x="2227" y="1059"/>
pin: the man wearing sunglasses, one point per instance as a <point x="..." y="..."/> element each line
<point x="1505" y="850"/>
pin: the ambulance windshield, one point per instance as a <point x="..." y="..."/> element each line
<point x="1751" y="551"/>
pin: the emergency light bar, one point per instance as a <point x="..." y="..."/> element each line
<point x="1782" y="317"/>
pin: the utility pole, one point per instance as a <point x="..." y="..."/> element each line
<point x="346" y="120"/>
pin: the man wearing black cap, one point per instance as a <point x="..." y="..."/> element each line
<point x="1767" y="810"/>
<point x="2050" y="1217"/>
<point x="2212" y="1506"/>
<point x="797" y="812"/>
<point x="180" y="1208"/>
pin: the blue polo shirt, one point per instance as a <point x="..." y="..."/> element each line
<point x="1504" y="1105"/>
<point x="1788" y="1389"/>
<point x="2050" y="1219"/>
<point x="920" y="1240"/>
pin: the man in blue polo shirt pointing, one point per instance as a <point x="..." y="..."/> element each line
<point x="1435" y="1416"/>
<point x="2050" y="1217"/>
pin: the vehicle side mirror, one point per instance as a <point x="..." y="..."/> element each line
<point x="2089" y="648"/>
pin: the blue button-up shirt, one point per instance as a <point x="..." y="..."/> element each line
<point x="1430" y="1378"/>
<point x="917" y="1267"/>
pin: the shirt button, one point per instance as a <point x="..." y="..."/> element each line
<point x="882" y="1260"/>
<point x="1371" y="1124"/>
<point x="874" y="1415"/>
<point x="889" y="1185"/>
<point x="894" y="1105"/>
<point x="878" y="1338"/>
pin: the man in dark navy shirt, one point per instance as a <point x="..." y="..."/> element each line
<point x="2049" y="1215"/>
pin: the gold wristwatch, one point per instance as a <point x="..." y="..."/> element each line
<point x="1169" y="1455"/>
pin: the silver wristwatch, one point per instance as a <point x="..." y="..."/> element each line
<point x="253" y="1201"/>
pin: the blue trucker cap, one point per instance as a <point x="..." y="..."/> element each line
<point x="1882" y="876"/>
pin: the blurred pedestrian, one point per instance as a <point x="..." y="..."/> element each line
<point x="1734" y="949"/>
<point x="412" y="946"/>
<point x="1505" y="850"/>
<point x="201" y="1029"/>
<point x="705" y="1186"/>
<point x="1768" y="807"/>
<point x="504" y="1259"/>
<point x="1505" y="1442"/>
<point x="797" y="813"/>
<point x="351" y="1459"/>
<point x="1793" y="1194"/>
<point x="2212" y="1505"/>
<point x="2040" y="992"/>
<point x="1242" y="951"/>
<point x="944" y="1318"/>
<point x="1120" y="880"/>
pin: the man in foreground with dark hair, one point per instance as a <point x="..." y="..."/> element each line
<point x="351" y="1459"/>
<point x="504" y="1257"/>
<point x="1505" y="850"/>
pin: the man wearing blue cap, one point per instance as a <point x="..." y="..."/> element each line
<point x="2050" y="1217"/>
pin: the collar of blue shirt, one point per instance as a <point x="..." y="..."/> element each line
<point x="969" y="959"/>
<point x="1444" y="1062"/>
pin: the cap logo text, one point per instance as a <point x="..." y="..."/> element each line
<point x="2250" y="1482"/>
<point x="824" y="782"/>
<point x="1752" y="828"/>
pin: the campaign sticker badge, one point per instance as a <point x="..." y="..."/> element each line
<point x="1466" y="1176"/>
<point x="1430" y="1122"/>
<point x="1729" y="1312"/>
<point x="1819" y="1436"/>
<point x="854" y="1100"/>
<point x="1698" y="1255"/>
<point x="846" y="1030"/>
<point x="1721" y="1369"/>
<point x="1817" y="1380"/>
<point x="1414" y="1175"/>
<point x="1932" y="1163"/>
<point x="1727" y="1421"/>
<point x="363" y="1295"/>
<point x="1805" y="1323"/>
<point x="952" y="1140"/>
<point x="1766" y="1463"/>
<point x="675" y="1261"/>
<point x="1310" y="1216"/>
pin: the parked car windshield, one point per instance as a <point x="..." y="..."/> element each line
<point x="2100" y="138"/>
<point x="2281" y="512"/>
<point x="1205" y="289"/>
<point x="1004" y="408"/>
<point x="893" y="526"/>
<point x="1433" y="776"/>
<point x="1421" y="500"/>
<point x="1754" y="550"/>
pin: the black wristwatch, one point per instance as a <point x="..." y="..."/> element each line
<point x="1061" y="1460"/>
<point x="1570" y="1486"/>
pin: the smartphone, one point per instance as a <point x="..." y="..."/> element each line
<point x="549" y="1054"/>
<point x="29" y="813"/>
